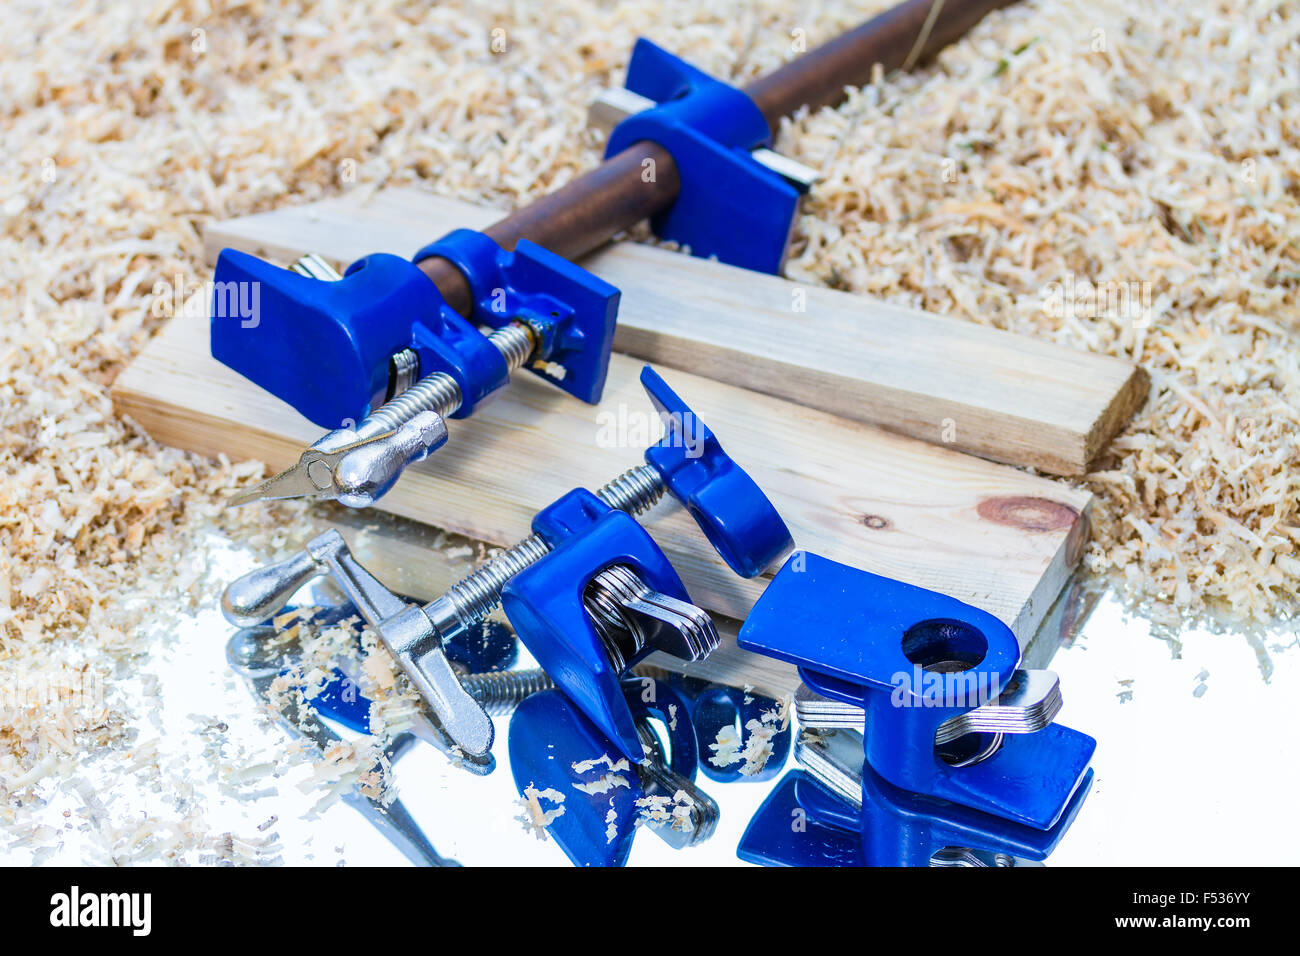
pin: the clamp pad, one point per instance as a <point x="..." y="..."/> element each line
<point x="729" y="206"/>
<point x="912" y="659"/>
<point x="739" y="520"/>
<point x="545" y="604"/>
<point x="571" y="312"/>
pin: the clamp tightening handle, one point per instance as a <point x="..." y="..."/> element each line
<point x="405" y="629"/>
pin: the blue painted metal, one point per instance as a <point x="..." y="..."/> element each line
<point x="571" y="311"/>
<point x="324" y="346"/>
<point x="802" y="823"/>
<point x="544" y="602"/>
<point x="739" y="520"/>
<point x="549" y="734"/>
<point x="729" y="206"/>
<point x="865" y="639"/>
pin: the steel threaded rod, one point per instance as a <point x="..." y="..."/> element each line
<point x="635" y="491"/>
<point x="439" y="392"/>
<point x="472" y="599"/>
<point x="478" y="593"/>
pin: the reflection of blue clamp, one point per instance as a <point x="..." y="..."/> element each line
<point x="554" y="748"/>
<point x="488" y="648"/>
<point x="546" y="604"/>
<point x="802" y="823"/>
<point x="324" y="346"/>
<point x="729" y="206"/>
<point x="916" y="662"/>
<point x="711" y="707"/>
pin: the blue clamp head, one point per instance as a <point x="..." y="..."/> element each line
<point x="719" y="712"/>
<point x="324" y="346"/>
<point x="570" y="312"/>
<point x="606" y="798"/>
<point x="739" y="520"/>
<point x="932" y="676"/>
<point x="550" y="605"/>
<point x="729" y="206"/>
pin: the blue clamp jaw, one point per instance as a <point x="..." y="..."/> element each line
<point x="729" y="206"/>
<point x="915" y="662"/>
<point x="735" y="515"/>
<point x="554" y="747"/>
<point x="324" y="346"/>
<point x="548" y="607"/>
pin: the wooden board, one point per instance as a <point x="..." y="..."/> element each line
<point x="990" y="393"/>
<point x="990" y="535"/>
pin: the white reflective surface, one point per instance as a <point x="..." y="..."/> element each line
<point x="1196" y="763"/>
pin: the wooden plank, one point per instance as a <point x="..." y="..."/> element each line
<point x="990" y="535"/>
<point x="987" y="392"/>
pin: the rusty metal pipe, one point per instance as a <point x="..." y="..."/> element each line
<point x="642" y="180"/>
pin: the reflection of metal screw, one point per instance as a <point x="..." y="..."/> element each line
<point x="500" y="692"/>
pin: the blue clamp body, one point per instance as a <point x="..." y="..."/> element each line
<point x="739" y="520"/>
<point x="729" y="206"/>
<point x="324" y="346"/>
<point x="549" y="735"/>
<point x="912" y="659"/>
<point x="544" y="602"/>
<point x="892" y="828"/>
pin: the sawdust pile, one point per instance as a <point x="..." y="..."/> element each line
<point x="1029" y="155"/>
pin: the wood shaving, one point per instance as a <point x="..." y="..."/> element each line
<point x="1105" y="152"/>
<point x="586" y="766"/>
<point x="603" y="784"/>
<point x="757" y="748"/>
<point x="658" y="810"/>
<point x="535" y="818"/>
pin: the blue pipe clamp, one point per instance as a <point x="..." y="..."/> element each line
<point x="324" y="346"/>
<point x="913" y="660"/>
<point x="730" y="206"/>
<point x="545" y="602"/>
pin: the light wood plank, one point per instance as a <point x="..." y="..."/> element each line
<point x="987" y="392"/>
<point x="998" y="538"/>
